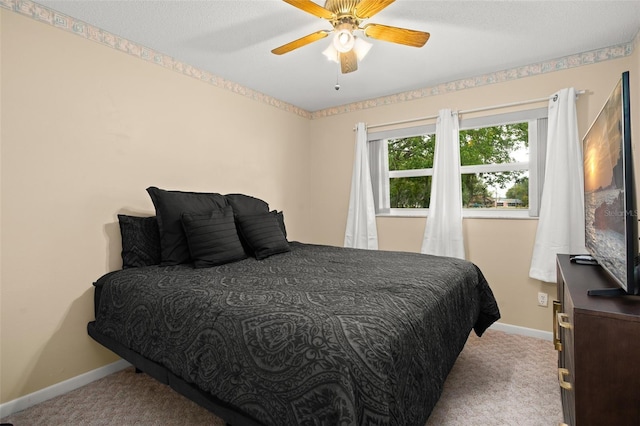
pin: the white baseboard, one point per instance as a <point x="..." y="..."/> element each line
<point x="19" y="404"/>
<point x="523" y="331"/>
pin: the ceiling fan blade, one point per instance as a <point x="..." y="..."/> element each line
<point x="348" y="62"/>
<point x="312" y="8"/>
<point x="367" y="8"/>
<point x="396" y="35"/>
<point x="285" y="48"/>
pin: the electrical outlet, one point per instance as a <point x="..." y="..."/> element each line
<point x="543" y="299"/>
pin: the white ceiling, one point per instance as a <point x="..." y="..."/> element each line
<point x="233" y="39"/>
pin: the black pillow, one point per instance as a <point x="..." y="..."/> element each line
<point x="169" y="208"/>
<point x="213" y="238"/>
<point x="280" y="217"/>
<point x="140" y="241"/>
<point x="263" y="235"/>
<point x="245" y="204"/>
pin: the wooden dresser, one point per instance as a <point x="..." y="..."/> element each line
<point x="598" y="343"/>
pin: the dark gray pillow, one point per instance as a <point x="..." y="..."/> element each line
<point x="262" y="234"/>
<point x="245" y="204"/>
<point x="169" y="208"/>
<point x="213" y="238"/>
<point x="140" y="241"/>
<point x="280" y="217"/>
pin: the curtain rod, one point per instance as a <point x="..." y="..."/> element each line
<point x="468" y="111"/>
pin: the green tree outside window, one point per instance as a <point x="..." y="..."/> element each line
<point x="488" y="145"/>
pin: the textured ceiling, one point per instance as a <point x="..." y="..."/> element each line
<point x="233" y="40"/>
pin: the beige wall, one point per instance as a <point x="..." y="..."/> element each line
<point x="85" y="129"/>
<point x="501" y="248"/>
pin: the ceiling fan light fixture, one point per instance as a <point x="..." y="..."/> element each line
<point x="344" y="41"/>
<point x="361" y="48"/>
<point x="332" y="54"/>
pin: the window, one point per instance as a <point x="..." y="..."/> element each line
<point x="499" y="158"/>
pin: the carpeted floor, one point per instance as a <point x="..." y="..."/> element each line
<point x="499" y="379"/>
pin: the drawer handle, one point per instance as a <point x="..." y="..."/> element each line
<point x="556" y="333"/>
<point x="563" y="320"/>
<point x="562" y="372"/>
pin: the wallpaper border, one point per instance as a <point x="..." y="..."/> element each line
<point x="43" y="14"/>
<point x="544" y="67"/>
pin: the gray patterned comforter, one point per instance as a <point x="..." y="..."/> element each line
<point x="318" y="336"/>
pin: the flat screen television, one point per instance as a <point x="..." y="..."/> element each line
<point x="611" y="219"/>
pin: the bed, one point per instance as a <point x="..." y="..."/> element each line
<point x="306" y="335"/>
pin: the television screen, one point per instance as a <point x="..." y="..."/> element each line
<point x="610" y="219"/>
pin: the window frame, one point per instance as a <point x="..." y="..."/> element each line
<point x="537" y="120"/>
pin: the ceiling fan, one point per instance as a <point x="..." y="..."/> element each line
<point x="346" y="17"/>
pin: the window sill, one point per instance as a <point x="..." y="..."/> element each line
<point x="466" y="214"/>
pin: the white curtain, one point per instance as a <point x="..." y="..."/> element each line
<point x="561" y="220"/>
<point x="443" y="233"/>
<point x="379" y="164"/>
<point x="361" y="229"/>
